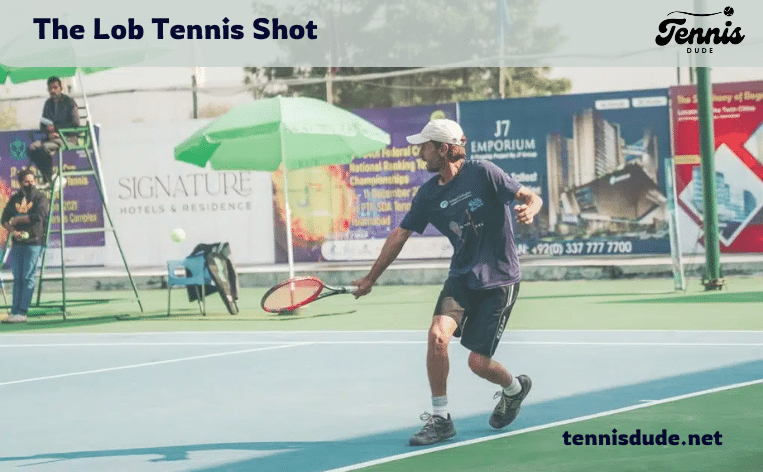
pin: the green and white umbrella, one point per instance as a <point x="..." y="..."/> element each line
<point x="295" y="132"/>
<point x="27" y="57"/>
<point x="19" y="75"/>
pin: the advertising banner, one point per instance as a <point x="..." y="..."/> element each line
<point x="82" y="203"/>
<point x="737" y="117"/>
<point x="346" y="212"/>
<point x="150" y="194"/>
<point x="596" y="159"/>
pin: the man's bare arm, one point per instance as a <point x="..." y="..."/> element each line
<point x="530" y="206"/>
<point x="391" y="249"/>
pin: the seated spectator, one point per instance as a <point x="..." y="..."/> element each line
<point x="59" y="111"/>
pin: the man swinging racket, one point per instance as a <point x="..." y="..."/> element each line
<point x="469" y="202"/>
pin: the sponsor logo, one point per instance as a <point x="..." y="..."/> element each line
<point x="17" y="148"/>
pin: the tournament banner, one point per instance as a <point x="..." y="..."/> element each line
<point x="82" y="204"/>
<point x="346" y="212"/>
<point x="738" y="130"/>
<point x="596" y="159"/>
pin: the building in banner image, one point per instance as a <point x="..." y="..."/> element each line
<point x="558" y="152"/>
<point x="599" y="184"/>
<point x="734" y="203"/>
<point x="598" y="147"/>
<point x="624" y="201"/>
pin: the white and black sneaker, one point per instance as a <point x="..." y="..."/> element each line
<point x="508" y="406"/>
<point x="437" y="429"/>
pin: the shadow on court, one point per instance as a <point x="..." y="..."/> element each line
<point x="51" y="317"/>
<point x="55" y="307"/>
<point x="318" y="456"/>
<point x="81" y="302"/>
<point x="709" y="297"/>
<point x="300" y="316"/>
<point x="590" y="295"/>
<point x="55" y="320"/>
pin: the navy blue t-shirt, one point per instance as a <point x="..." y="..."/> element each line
<point x="473" y="211"/>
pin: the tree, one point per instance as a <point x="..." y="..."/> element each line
<point x="422" y="32"/>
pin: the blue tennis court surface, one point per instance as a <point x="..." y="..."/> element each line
<point x="314" y="401"/>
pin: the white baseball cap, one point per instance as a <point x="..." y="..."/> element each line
<point x="442" y="131"/>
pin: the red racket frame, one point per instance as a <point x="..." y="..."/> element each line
<point x="312" y="298"/>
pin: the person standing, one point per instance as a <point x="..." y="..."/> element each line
<point x="24" y="217"/>
<point x="60" y="111"/>
<point x="470" y="203"/>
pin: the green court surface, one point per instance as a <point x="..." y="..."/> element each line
<point x="608" y="304"/>
<point x="735" y="414"/>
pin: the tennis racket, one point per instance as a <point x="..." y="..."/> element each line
<point x="299" y="291"/>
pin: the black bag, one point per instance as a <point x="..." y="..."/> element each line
<point x="224" y="279"/>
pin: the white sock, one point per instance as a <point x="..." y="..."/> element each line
<point x="440" y="406"/>
<point x="513" y="388"/>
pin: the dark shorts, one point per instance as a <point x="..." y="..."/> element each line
<point x="481" y="314"/>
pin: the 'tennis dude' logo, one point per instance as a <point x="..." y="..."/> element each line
<point x="671" y="30"/>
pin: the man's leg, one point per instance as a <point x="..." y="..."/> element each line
<point x="445" y="321"/>
<point x="489" y="369"/>
<point x="16" y="269"/>
<point x="483" y="332"/>
<point x="51" y="147"/>
<point x="486" y="325"/>
<point x="438" y="363"/>
<point x="41" y="153"/>
<point x="28" y="272"/>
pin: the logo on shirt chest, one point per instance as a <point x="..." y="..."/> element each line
<point x="23" y="206"/>
<point x="468" y="223"/>
<point x="446" y="203"/>
<point x="474" y="204"/>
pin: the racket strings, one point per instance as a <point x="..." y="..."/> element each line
<point x="291" y="294"/>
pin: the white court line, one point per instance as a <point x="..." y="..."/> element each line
<point x="542" y="427"/>
<point x="145" y="344"/>
<point x="388" y="331"/>
<point x="147" y="364"/>
<point x="627" y="343"/>
<point x="172" y="333"/>
<point x="423" y="341"/>
<point x="204" y="343"/>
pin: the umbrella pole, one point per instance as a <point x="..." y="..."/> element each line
<point x="289" y="246"/>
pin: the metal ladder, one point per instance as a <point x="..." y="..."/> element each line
<point x="81" y="138"/>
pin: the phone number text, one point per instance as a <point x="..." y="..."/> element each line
<point x="575" y="248"/>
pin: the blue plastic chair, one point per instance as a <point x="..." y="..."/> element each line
<point x="189" y="271"/>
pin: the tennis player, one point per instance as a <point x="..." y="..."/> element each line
<point x="470" y="203"/>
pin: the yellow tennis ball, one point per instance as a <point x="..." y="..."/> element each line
<point x="178" y="235"/>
